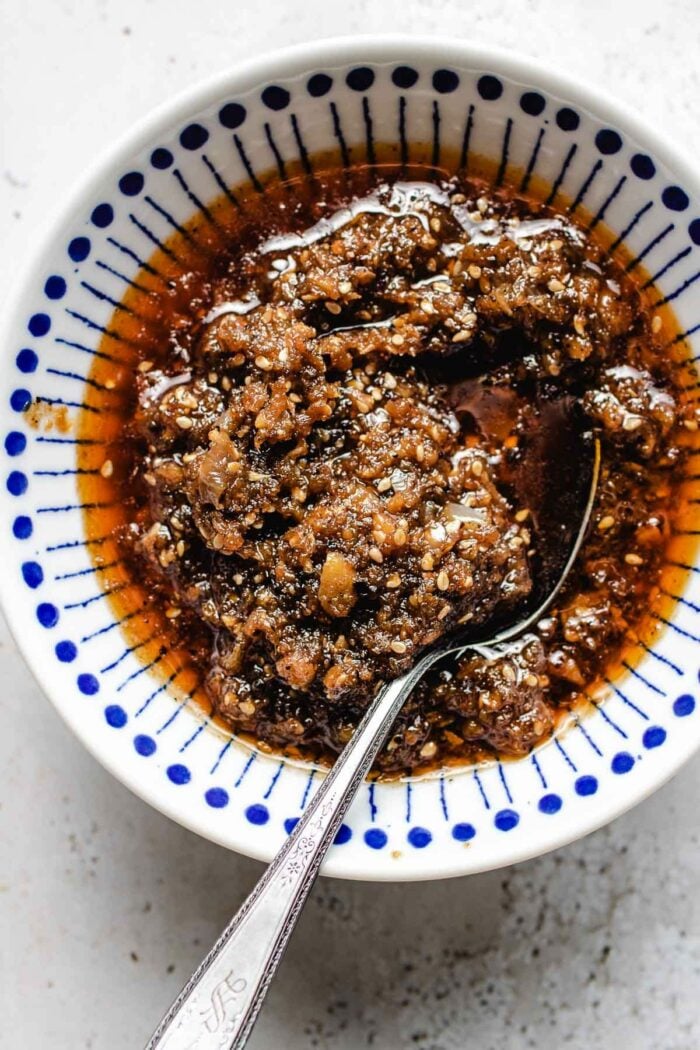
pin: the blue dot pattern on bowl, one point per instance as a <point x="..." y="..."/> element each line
<point x="622" y="762"/>
<point x="79" y="249"/>
<point x="550" y="804"/>
<point x="217" y="797"/>
<point x="232" y="115"/>
<point x="375" y="838"/>
<point x="32" y="574"/>
<point x="532" y="109"/>
<point x="47" y="614"/>
<point x="144" y="745"/>
<point x="463" y="832"/>
<point x="27" y="361"/>
<point x="179" y="774"/>
<point x="257" y="814"/>
<point x="506" y="819"/>
<point x="116" y="716"/>
<point x="102" y="215"/>
<point x="161" y="158"/>
<point x="66" y="651"/>
<point x="586" y="785"/>
<point x="419" y="838"/>
<point x="684" y="705"/>
<point x="15" y="443"/>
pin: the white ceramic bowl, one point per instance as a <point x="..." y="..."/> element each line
<point x="345" y="93"/>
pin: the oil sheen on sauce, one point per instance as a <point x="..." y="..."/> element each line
<point x="137" y="334"/>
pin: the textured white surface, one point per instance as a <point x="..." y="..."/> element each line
<point x="107" y="906"/>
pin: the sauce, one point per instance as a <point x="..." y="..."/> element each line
<point x="212" y="279"/>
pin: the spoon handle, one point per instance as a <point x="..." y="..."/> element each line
<point x="217" y="1008"/>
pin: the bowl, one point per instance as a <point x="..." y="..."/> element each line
<point x="345" y="94"/>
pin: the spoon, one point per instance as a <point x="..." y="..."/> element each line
<point x="218" y="1006"/>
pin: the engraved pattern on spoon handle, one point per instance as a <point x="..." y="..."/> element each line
<point x="217" y="1008"/>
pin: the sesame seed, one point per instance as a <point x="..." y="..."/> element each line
<point x="420" y="452"/>
<point x="522" y="515"/>
<point x="110" y="384"/>
<point x="580" y="324"/>
<point x="634" y="559"/>
<point x="263" y="362"/>
<point x="246" y="707"/>
<point x="690" y="424"/>
<point x="226" y="383"/>
<point x="345" y="287"/>
<point x="427" y="307"/>
<point x="555" y="286"/>
<point x="461" y="336"/>
<point x="107" y="469"/>
<point x="399" y="647"/>
<point x="443" y="581"/>
<point x="429" y="750"/>
<point x="393" y="581"/>
<point x="383" y="484"/>
<point x="184" y="422"/>
<point x="435" y="225"/>
<point x="656" y="324"/>
<point x="534" y="271"/>
<point x="630" y="423"/>
<point x="376" y="555"/>
<point x="474" y="271"/>
<point x="145" y="366"/>
<point x="333" y="308"/>
<point x="397" y="339"/>
<point x="445" y="611"/>
<point x="400" y="537"/>
<point x="427" y="562"/>
<point x="532" y="680"/>
<point x="508" y="672"/>
<point x="180" y="548"/>
<point x="173" y="612"/>
<point x="606" y="523"/>
<point x="477" y="468"/>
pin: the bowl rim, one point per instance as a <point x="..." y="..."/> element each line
<point x="284" y="63"/>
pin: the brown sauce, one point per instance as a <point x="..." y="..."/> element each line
<point x="276" y="559"/>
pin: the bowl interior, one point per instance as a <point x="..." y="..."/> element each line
<point x="354" y="98"/>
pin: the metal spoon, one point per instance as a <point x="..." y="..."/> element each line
<point x="218" y="1006"/>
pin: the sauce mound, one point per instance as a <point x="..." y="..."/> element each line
<point x="334" y="454"/>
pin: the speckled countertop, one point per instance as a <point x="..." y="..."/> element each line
<point x="105" y="905"/>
